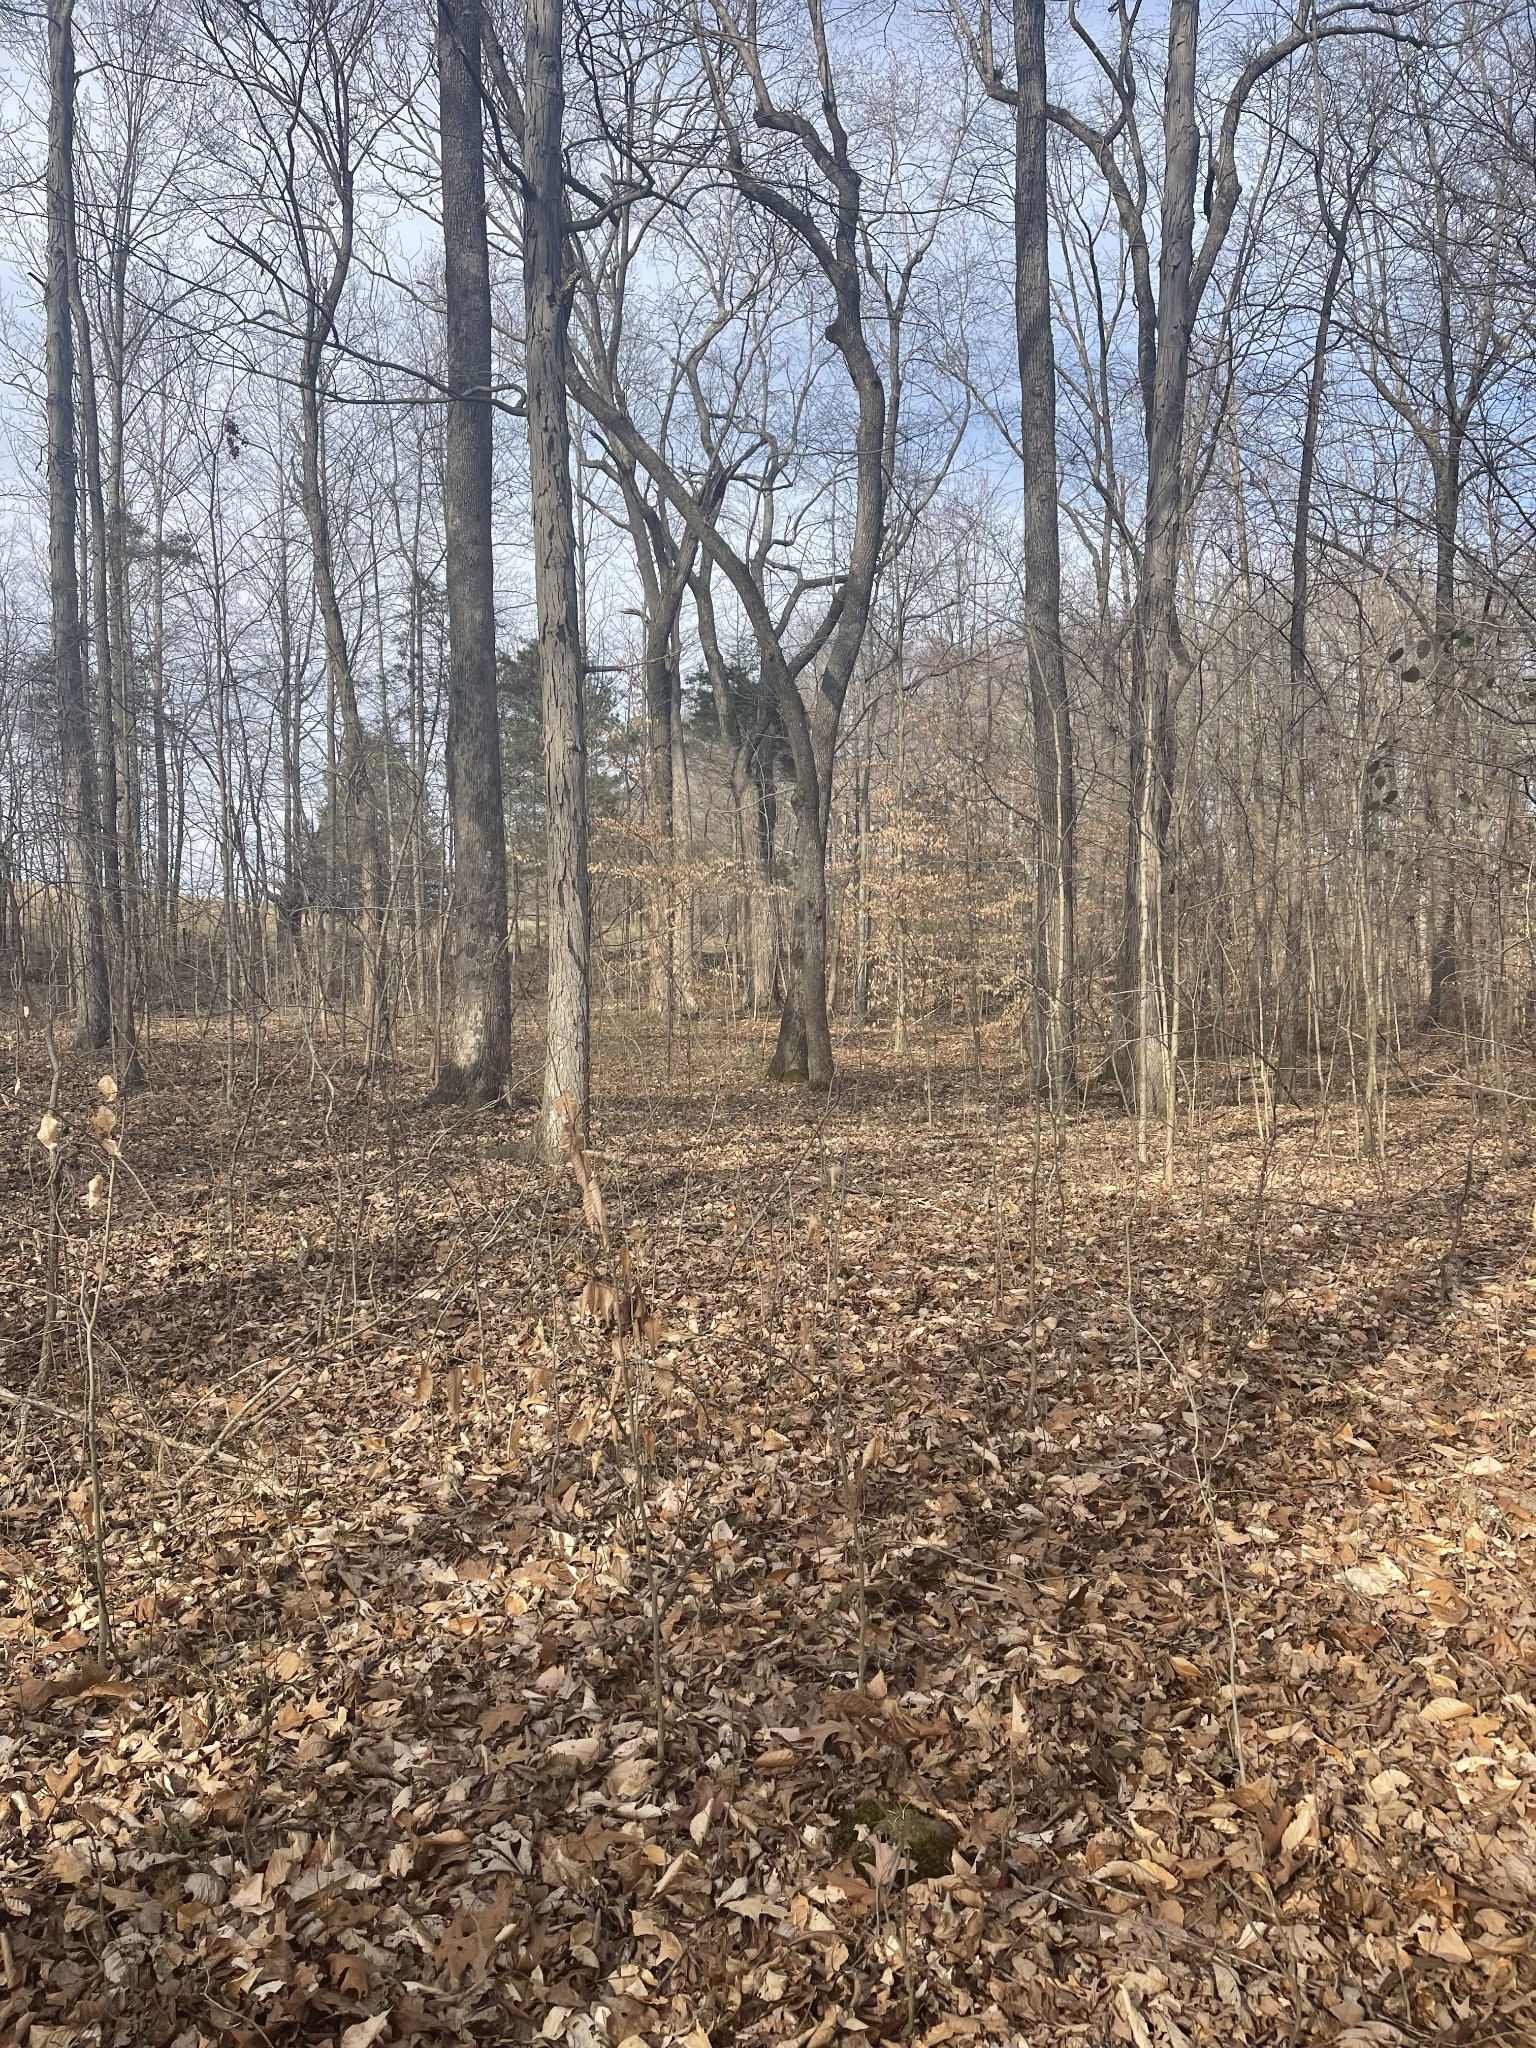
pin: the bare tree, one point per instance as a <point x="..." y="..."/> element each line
<point x="1033" y="305"/>
<point x="805" y="181"/>
<point x="296" y="73"/>
<point x="1168" y="292"/>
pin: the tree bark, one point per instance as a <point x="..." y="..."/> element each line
<point x="567" y="1070"/>
<point x="477" y="1054"/>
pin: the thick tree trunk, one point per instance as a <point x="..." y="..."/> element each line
<point x="477" y="1051"/>
<point x="82" y="824"/>
<point x="803" y="1051"/>
<point x="567" y="1068"/>
<point x="1055" y="864"/>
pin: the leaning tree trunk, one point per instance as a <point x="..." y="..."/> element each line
<point x="81" y="818"/>
<point x="568" y="1057"/>
<point x="477" y="1052"/>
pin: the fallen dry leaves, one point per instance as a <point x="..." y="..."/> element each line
<point x="1180" y="1560"/>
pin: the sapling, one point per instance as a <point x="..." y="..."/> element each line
<point x="621" y="1305"/>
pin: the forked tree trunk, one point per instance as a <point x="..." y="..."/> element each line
<point x="567" y="1066"/>
<point x="835" y="240"/>
<point x="477" y="1022"/>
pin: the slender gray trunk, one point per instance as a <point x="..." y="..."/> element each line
<point x="567" y="1071"/>
<point x="104" y="616"/>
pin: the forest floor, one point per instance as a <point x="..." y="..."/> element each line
<point x="1198" y="1602"/>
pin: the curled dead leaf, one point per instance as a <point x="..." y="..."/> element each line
<point x="1303" y="1828"/>
<point x="599" y="1304"/>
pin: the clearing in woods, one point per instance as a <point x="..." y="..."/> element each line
<point x="1173" y="1548"/>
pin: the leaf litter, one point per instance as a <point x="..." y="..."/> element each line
<point x="544" y="1601"/>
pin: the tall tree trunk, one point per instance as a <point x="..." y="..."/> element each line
<point x="162" y="892"/>
<point x="129" y="833"/>
<point x="1293" y="744"/>
<point x="104" y="617"/>
<point x="1444" y="960"/>
<point x="1055" y="864"/>
<point x="1440" y="789"/>
<point x="82" y="821"/>
<point x="1156" y="641"/>
<point x="477" y="1052"/>
<point x="567" y="1070"/>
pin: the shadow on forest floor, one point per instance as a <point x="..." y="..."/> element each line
<point x="1172" y="1545"/>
